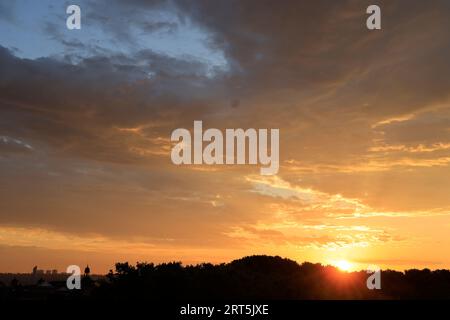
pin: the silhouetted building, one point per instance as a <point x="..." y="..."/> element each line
<point x="36" y="273"/>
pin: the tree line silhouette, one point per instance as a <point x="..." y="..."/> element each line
<point x="266" y="278"/>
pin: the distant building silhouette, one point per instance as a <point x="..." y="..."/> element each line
<point x="37" y="272"/>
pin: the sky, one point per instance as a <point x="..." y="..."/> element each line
<point x="86" y="117"/>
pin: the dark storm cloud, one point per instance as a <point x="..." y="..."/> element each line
<point x="311" y="68"/>
<point x="315" y="63"/>
<point x="304" y="44"/>
<point x="326" y="75"/>
<point x="79" y="107"/>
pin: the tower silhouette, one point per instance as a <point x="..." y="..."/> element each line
<point x="87" y="270"/>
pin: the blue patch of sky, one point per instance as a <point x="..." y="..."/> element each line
<point x="34" y="29"/>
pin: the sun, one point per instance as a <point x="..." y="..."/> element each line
<point x="343" y="265"/>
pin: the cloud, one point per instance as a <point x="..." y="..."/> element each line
<point x="8" y="144"/>
<point x="295" y="235"/>
<point x="321" y="204"/>
<point x="77" y="107"/>
<point x="313" y="199"/>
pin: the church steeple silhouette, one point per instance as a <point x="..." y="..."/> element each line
<point x="87" y="270"/>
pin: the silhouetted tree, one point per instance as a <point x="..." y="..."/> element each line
<point x="265" y="277"/>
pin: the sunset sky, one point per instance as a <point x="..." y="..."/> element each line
<point x="86" y="117"/>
